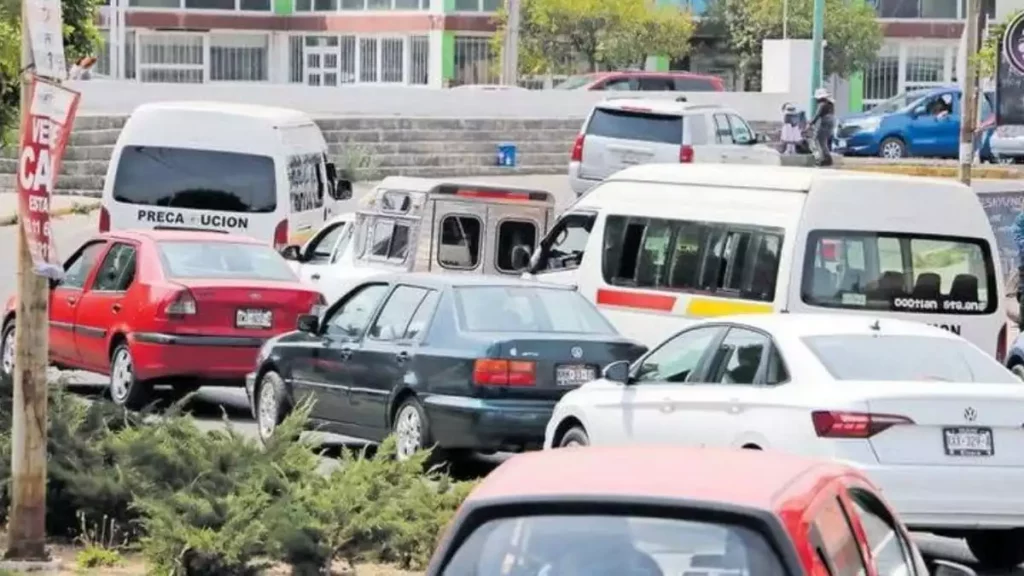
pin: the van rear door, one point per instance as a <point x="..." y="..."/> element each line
<point x="618" y="137"/>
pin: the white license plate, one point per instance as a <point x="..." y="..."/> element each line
<point x="574" y="374"/>
<point x="840" y="143"/>
<point x="968" y="441"/>
<point x="252" y="318"/>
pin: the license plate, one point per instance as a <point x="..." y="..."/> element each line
<point x="574" y="374"/>
<point x="252" y="318"/>
<point x="968" y="441"/>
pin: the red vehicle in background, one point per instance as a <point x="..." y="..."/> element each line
<point x="639" y="80"/>
<point x="160" y="307"/>
<point x="653" y="511"/>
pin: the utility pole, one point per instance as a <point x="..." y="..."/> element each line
<point x="510" y="53"/>
<point x="817" y="37"/>
<point x="969" y="109"/>
<point x="26" y="529"/>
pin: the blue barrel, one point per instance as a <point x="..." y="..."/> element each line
<point x="506" y="154"/>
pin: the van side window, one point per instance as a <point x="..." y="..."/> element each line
<point x="390" y="240"/>
<point x="516" y="241"/>
<point x="460" y="242"/>
<point x="723" y="132"/>
<point x="726" y="260"/>
<point x="562" y="249"/>
<point x="305" y="182"/>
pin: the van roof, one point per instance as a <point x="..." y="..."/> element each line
<point x="269" y="114"/>
<point x="779" y="178"/>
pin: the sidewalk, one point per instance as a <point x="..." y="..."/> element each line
<point x="59" y="206"/>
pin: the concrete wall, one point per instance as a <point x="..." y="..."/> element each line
<point x="116" y="98"/>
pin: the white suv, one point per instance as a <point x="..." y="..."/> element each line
<point x="624" y="132"/>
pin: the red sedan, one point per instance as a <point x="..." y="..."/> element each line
<point x="653" y="511"/>
<point x="160" y="307"/>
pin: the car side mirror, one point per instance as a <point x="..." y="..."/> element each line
<point x="308" y="323"/>
<point x="946" y="568"/>
<point x="291" y="252"/>
<point x="340" y="189"/>
<point x="617" y="371"/>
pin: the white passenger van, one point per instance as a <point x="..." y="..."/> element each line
<point x="656" y="245"/>
<point x="222" y="167"/>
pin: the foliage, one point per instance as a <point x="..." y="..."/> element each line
<point x="605" y="34"/>
<point x="852" y="32"/>
<point x="92" y="556"/>
<point x="357" y="163"/>
<point x="988" y="57"/>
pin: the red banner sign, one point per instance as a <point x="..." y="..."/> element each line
<point x="44" y="135"/>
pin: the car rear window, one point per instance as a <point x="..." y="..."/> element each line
<point x="197" y="179"/>
<point x="223" y="260"/>
<point x="606" y="545"/>
<point x="906" y="358"/>
<point x="636" y="125"/>
<point x="527" y="309"/>
<point x="899" y="273"/>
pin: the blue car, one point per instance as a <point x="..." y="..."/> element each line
<point x="906" y="126"/>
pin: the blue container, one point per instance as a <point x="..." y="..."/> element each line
<point x="506" y="154"/>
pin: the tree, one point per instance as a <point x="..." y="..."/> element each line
<point x="853" y="34"/>
<point x="605" y="34"/>
<point x="81" y="38"/>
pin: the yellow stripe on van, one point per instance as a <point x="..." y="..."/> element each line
<point x="299" y="238"/>
<point x="707" y="308"/>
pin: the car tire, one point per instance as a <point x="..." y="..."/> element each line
<point x="575" y="437"/>
<point x="7" y="353"/>
<point x="892" y="148"/>
<point x="1000" y="550"/>
<point x="411" y="428"/>
<point x="1018" y="370"/>
<point x="270" y="404"/>
<point x="125" y="389"/>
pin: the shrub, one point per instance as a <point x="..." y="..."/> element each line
<point x="357" y="163"/>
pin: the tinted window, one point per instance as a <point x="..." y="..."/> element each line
<point x="725" y="260"/>
<point x="684" y="84"/>
<point x="837" y="541"/>
<point x="564" y="245"/>
<point x="906" y="358"/>
<point x="659" y="84"/>
<point x="890" y="551"/>
<point x="527" y="309"/>
<point x="676" y="359"/>
<point x="199" y="179"/>
<point x="600" y="545"/>
<point x="351" y="318"/>
<point x="397" y="313"/>
<point x="723" y="132"/>
<point x="575" y="82"/>
<point x="226" y="260"/>
<point x="617" y="84"/>
<point x="421" y="319"/>
<point x="117" y="272"/>
<point x="631" y="125"/>
<point x="899" y="273"/>
<point x="77" y="268"/>
<point x="741" y="132"/>
<point x="738" y="357"/>
<point x="390" y="240"/>
<point x="460" y="242"/>
<point x="516" y="240"/>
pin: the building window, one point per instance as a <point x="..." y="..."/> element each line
<point x="295" y="53"/>
<point x="882" y="78"/>
<point x="239" y="57"/>
<point x="478" y="5"/>
<point x="930" y="9"/>
<point x="926" y="65"/>
<point x="392" y="60"/>
<point x="368" y="59"/>
<point x="376" y="5"/>
<point x="475" y="61"/>
<point x="211" y="4"/>
<point x="170" y="57"/>
<point x="419" y="60"/>
<point x="334" y="60"/>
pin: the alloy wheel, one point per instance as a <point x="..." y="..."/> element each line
<point x="121" y="375"/>
<point x="892" y="150"/>
<point x="8" y="353"/>
<point x="408" y="432"/>
<point x="268" y="408"/>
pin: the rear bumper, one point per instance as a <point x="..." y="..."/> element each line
<point x="579" y="185"/>
<point x="1007" y="147"/>
<point x="224" y="359"/>
<point x="478" y="424"/>
<point x="964" y="497"/>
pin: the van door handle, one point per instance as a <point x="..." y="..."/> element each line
<point x="667" y="406"/>
<point x="314" y="277"/>
<point x="72" y="300"/>
<point x="116" y="307"/>
<point x="345" y="353"/>
<point x="734" y="406"/>
<point x="401" y="357"/>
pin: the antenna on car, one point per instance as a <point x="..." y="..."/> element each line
<point x="876" y="326"/>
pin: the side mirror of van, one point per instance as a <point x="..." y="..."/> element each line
<point x="291" y="252"/>
<point x="340" y="189"/>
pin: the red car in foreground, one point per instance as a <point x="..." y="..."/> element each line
<point x="653" y="511"/>
<point x="167" y="307"/>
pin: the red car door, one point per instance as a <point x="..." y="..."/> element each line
<point x="102" y="310"/>
<point x="65" y="298"/>
<point x="832" y="536"/>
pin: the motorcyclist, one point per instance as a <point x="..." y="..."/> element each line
<point x="824" y="122"/>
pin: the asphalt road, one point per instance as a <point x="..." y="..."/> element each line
<point x="213" y="404"/>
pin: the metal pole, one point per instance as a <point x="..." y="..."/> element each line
<point x="26" y="530"/>
<point x="969" y="110"/>
<point x="817" y="37"/>
<point x="510" y="54"/>
<point x="785" y="19"/>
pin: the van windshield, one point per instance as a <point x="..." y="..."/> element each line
<point x="197" y="179"/>
<point x="899" y="273"/>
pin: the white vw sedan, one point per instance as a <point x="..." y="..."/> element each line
<point x="928" y="416"/>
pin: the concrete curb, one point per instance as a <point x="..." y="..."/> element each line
<point x="76" y="208"/>
<point x="934" y="171"/>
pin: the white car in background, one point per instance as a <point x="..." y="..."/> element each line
<point x="624" y="132"/>
<point x="930" y="417"/>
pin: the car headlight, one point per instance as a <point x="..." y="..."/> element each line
<point x="869" y="124"/>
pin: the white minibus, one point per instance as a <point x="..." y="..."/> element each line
<point x="656" y="245"/>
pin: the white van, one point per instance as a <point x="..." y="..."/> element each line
<point x="232" y="168"/>
<point x="656" y="245"/>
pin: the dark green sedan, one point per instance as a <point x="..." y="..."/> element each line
<point x="457" y="362"/>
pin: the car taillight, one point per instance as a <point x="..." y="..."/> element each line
<point x="281" y="235"/>
<point x="577" y="149"/>
<point x="104" y="220"/>
<point x="685" y="154"/>
<point x="1001" y="345"/>
<point x="831" y="424"/>
<point x="184" y="304"/>
<point x="490" y="372"/>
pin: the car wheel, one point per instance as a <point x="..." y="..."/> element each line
<point x="271" y="404"/>
<point x="7" y="352"/>
<point x="1018" y="370"/>
<point x="892" y="148"/>
<point x="997" y="549"/>
<point x="576" y="436"/>
<point x="411" y="429"/>
<point x="125" y="389"/>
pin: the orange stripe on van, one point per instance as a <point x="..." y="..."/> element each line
<point x="639" y="300"/>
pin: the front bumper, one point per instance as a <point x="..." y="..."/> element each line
<point x="483" y="424"/>
<point x="855" y="144"/>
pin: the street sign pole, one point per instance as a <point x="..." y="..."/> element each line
<point x="817" y="37"/>
<point x="510" y="54"/>
<point x="969" y="110"/>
